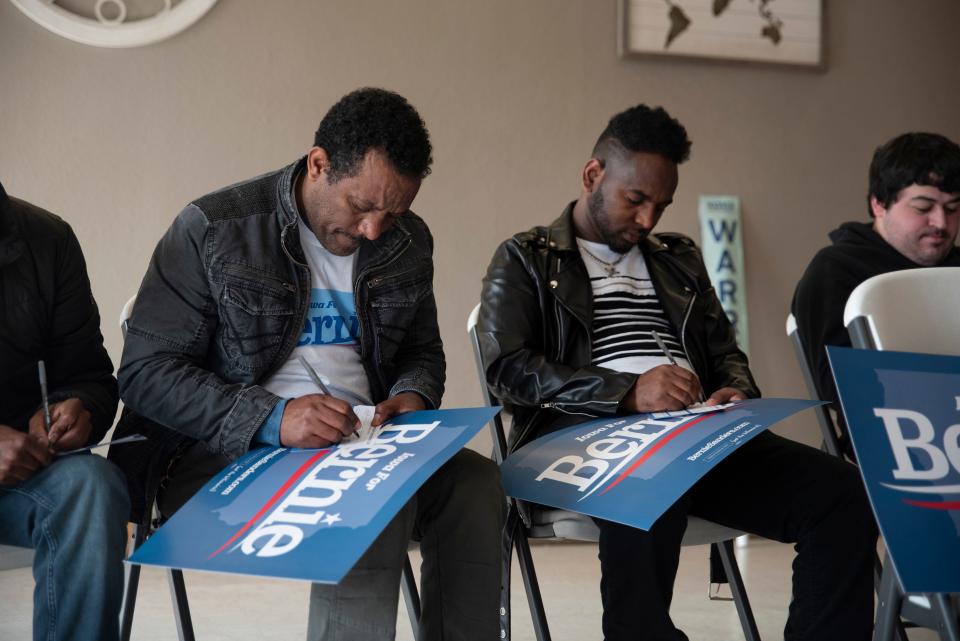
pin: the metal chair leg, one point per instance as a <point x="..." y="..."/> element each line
<point x="181" y="608"/>
<point x="411" y="597"/>
<point x="899" y="634"/>
<point x="131" y="582"/>
<point x="744" y="611"/>
<point x="948" y="627"/>
<point x="888" y="604"/>
<point x="532" y="586"/>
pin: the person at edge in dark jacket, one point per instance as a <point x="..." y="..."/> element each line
<point x="914" y="201"/>
<point x="71" y="510"/>
<point x="322" y="260"/>
<point x="565" y="327"/>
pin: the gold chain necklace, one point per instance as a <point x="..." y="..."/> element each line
<point x="610" y="268"/>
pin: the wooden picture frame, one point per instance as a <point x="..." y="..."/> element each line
<point x="765" y="31"/>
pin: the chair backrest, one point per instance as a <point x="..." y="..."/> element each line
<point x="496" y="425"/>
<point x="125" y="314"/>
<point x="914" y="310"/>
<point x="831" y="442"/>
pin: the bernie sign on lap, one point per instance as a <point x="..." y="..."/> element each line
<point x="903" y="415"/>
<point x="309" y="514"/>
<point x="631" y="469"/>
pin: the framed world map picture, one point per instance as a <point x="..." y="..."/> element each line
<point x="778" y="31"/>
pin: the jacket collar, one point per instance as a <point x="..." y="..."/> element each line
<point x="562" y="236"/>
<point x="11" y="245"/>
<point x="286" y="205"/>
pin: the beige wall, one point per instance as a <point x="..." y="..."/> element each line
<point x="514" y="93"/>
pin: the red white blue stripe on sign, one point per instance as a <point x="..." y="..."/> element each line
<point x="279" y="512"/>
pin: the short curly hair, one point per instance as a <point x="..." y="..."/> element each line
<point x="642" y="129"/>
<point x="915" y="158"/>
<point x="371" y="118"/>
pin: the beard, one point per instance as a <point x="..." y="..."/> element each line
<point x="596" y="208"/>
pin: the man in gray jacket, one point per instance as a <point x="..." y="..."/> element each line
<point x="322" y="260"/>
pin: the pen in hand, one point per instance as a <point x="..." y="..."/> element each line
<point x="666" y="352"/>
<point x="42" y="369"/>
<point x="314" y="376"/>
<point x="663" y="347"/>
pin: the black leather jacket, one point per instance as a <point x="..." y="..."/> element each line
<point x="223" y="304"/>
<point x="47" y="312"/>
<point x="535" y="319"/>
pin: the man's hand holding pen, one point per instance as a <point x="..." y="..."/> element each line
<point x="665" y="387"/>
<point x="70" y="425"/>
<point x="316" y="420"/>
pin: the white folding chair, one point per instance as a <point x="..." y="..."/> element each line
<point x="914" y="310"/>
<point x="831" y="440"/>
<point x="828" y="430"/>
<point x="548" y="523"/>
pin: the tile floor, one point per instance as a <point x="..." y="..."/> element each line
<point x="236" y="608"/>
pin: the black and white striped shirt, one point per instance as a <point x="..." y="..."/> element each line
<point x="625" y="312"/>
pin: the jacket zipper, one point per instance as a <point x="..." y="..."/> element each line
<point x="361" y="317"/>
<point x="375" y="282"/>
<point x="235" y="268"/>
<point x="558" y="406"/>
<point x="305" y="305"/>
<point x="683" y="332"/>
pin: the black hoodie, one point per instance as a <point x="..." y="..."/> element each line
<point x="858" y="253"/>
<point x="47" y="312"/>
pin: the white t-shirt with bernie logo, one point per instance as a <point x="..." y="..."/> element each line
<point x="331" y="332"/>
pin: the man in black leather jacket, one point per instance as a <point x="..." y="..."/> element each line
<point x="565" y="329"/>
<point x="322" y="259"/>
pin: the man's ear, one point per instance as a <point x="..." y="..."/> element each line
<point x="877" y="207"/>
<point x="318" y="163"/>
<point x="592" y="175"/>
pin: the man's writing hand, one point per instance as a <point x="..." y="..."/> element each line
<point x="316" y="420"/>
<point x="665" y="387"/>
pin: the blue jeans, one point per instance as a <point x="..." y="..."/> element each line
<point x="457" y="516"/>
<point x="74" y="515"/>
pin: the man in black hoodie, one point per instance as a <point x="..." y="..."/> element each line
<point x="914" y="200"/>
<point x="72" y="510"/>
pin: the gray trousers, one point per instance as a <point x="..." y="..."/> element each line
<point x="457" y="516"/>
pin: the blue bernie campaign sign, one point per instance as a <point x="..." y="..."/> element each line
<point x="631" y="469"/>
<point x="903" y="415"/>
<point x="309" y="514"/>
